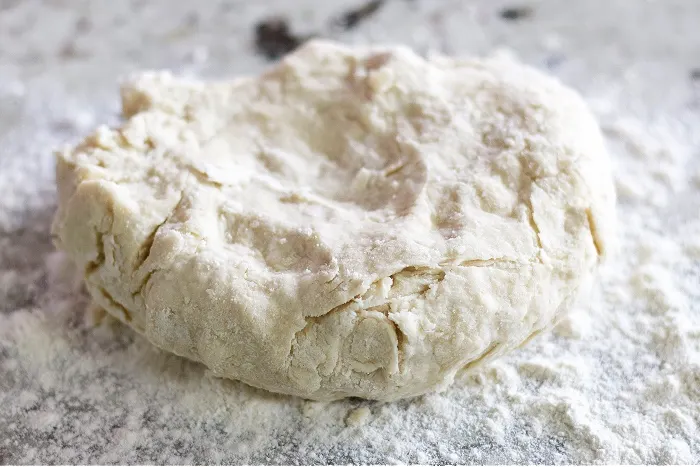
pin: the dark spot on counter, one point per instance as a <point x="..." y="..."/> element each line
<point x="70" y="51"/>
<point x="352" y="18"/>
<point x="137" y="5"/>
<point x="553" y="61"/>
<point x="31" y="57"/>
<point x="695" y="74"/>
<point x="119" y="21"/>
<point x="516" y="13"/>
<point x="9" y="4"/>
<point x="226" y="7"/>
<point x="191" y="20"/>
<point x="273" y="38"/>
<point x="82" y="25"/>
<point x="63" y="126"/>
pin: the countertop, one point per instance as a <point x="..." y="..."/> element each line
<point x="615" y="383"/>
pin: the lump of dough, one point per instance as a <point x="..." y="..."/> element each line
<point x="353" y="222"/>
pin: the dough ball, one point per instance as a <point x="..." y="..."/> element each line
<point x="353" y="222"/>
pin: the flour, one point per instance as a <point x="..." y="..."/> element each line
<point x="617" y="381"/>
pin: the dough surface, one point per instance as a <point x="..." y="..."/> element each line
<point x="353" y="222"/>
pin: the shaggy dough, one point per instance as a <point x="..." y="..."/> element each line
<point x="354" y="222"/>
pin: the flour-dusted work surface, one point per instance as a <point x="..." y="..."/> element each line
<point x="617" y="381"/>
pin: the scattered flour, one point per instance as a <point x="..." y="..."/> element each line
<point x="618" y="381"/>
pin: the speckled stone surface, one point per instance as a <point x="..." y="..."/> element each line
<point x="72" y="393"/>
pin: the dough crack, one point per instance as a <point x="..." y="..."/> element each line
<point x="147" y="247"/>
<point x="483" y="357"/>
<point x="488" y="262"/>
<point x="378" y="298"/>
<point x="401" y="340"/>
<point x="594" y="232"/>
<point x="99" y="260"/>
<point x="534" y="226"/>
<point x="114" y="304"/>
<point x="142" y="284"/>
<point x="202" y="177"/>
<point x="92" y="266"/>
<point x="145" y="250"/>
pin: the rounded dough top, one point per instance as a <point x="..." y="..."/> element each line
<point x="354" y="222"/>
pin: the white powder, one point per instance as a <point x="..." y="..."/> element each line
<point x="617" y="381"/>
